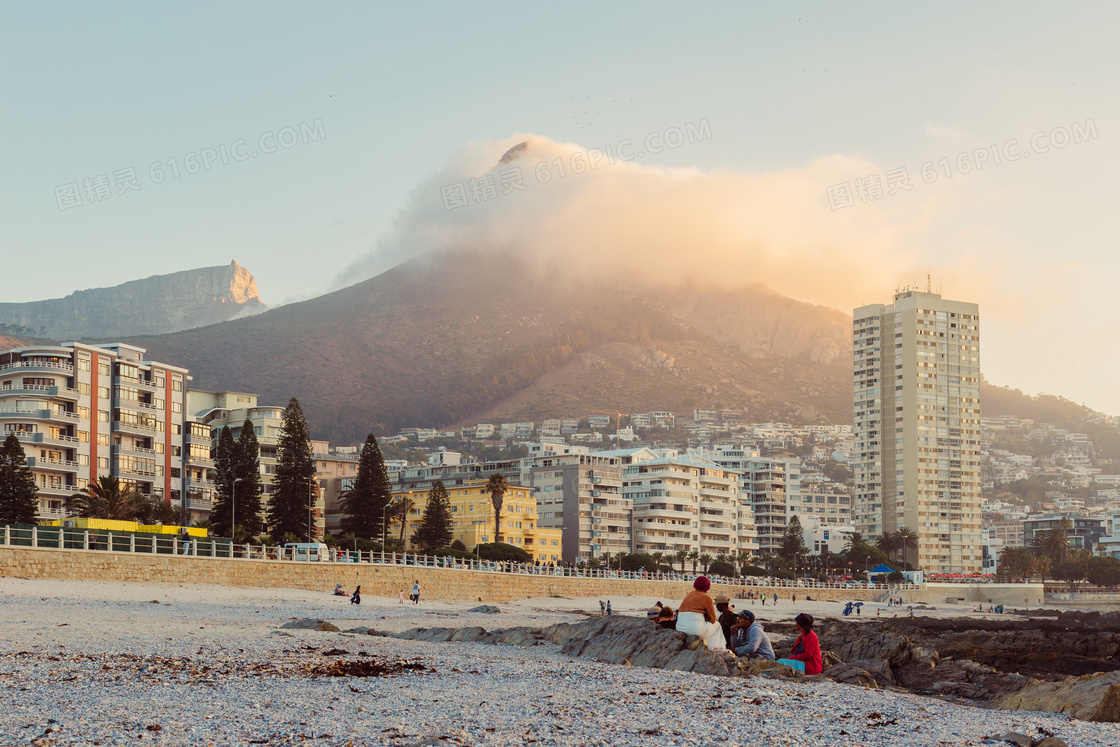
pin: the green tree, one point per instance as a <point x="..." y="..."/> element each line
<point x="402" y="508"/>
<point x="18" y="501"/>
<point x="721" y="568"/>
<point x="1104" y="572"/>
<point x="1052" y="543"/>
<point x="364" y="503"/>
<point x="502" y="551"/>
<point x="887" y="542"/>
<point x="435" y="527"/>
<point x="109" y="498"/>
<point x="906" y="539"/>
<point x="1016" y="561"/>
<point x="705" y="561"/>
<point x="288" y="507"/>
<point x="793" y="540"/>
<point x="681" y="556"/>
<point x="693" y="556"/>
<point x="851" y="539"/>
<point x="248" y="456"/>
<point x="226" y="471"/>
<point x="1074" y="569"/>
<point x="497" y="487"/>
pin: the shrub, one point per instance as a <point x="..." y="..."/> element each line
<point x="502" y="551"/>
<point x="787" y="575"/>
<point x="752" y="570"/>
<point x="721" y="568"/>
<point x="896" y="577"/>
<point x="458" y="545"/>
<point x="451" y="552"/>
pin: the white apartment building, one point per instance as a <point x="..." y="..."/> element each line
<point x="685" y="502"/>
<point x="83" y="411"/>
<point x="769" y="485"/>
<point x="916" y="460"/>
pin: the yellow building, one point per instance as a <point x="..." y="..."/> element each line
<point x="472" y="519"/>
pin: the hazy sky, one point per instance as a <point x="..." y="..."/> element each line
<point x="393" y="101"/>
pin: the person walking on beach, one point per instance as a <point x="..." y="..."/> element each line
<point x="775" y="599"/>
<point x="357" y="598"/>
<point x="416" y="591"/>
<point x="400" y="597"/>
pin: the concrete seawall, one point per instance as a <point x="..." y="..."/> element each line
<point x="435" y="583"/>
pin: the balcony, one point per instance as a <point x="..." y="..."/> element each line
<point x="137" y="428"/>
<point x="39" y="438"/>
<point x="56" y="490"/>
<point x="61" y="392"/>
<point x="131" y="449"/>
<point x="49" y="414"/>
<point x="53" y="465"/>
<point x="46" y="366"/>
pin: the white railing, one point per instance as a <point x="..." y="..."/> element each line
<point x="213" y="547"/>
<point x="32" y="364"/>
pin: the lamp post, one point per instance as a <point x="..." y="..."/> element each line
<point x="233" y="511"/>
<point x="310" y="484"/>
<point x="384" y="529"/>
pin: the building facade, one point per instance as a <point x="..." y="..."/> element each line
<point x="916" y="386"/>
<point x="472" y="519"/>
<point x="85" y="411"/>
<point x="771" y="487"/>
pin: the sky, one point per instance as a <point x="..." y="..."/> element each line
<point x="317" y="145"/>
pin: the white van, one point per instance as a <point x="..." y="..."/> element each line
<point x="306" y="551"/>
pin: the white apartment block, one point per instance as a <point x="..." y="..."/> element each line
<point x="685" y="502"/>
<point x="917" y="426"/>
<point x="83" y="411"/>
<point x="769" y="485"/>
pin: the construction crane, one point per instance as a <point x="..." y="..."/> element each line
<point x="618" y="423"/>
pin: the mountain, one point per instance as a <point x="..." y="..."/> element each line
<point x="161" y="303"/>
<point x="474" y="336"/>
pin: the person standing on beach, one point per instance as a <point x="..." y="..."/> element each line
<point x="416" y="591"/>
<point x="609" y="608"/>
<point x="357" y="598"/>
<point x="775" y="599"/>
<point x="602" y="609"/>
<point x="400" y="597"/>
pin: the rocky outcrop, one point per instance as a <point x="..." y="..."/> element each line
<point x="155" y="305"/>
<point x="1094" y="697"/>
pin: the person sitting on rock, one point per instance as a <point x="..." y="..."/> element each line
<point x="807" y="647"/>
<point x="726" y="616"/>
<point x="751" y="640"/>
<point x="665" y="619"/>
<point x="697" y="616"/>
<point x="653" y="613"/>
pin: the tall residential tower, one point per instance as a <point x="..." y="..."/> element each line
<point x="917" y="426"/>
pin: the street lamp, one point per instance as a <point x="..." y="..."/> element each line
<point x="310" y="485"/>
<point x="384" y="529"/>
<point x="233" y="510"/>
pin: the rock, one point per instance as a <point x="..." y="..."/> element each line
<point x="1015" y="737"/>
<point x="308" y="623"/>
<point x="486" y="609"/>
<point x="1094" y="697"/>
<point x="1050" y="742"/>
<point x="362" y="631"/>
<point x="851" y="674"/>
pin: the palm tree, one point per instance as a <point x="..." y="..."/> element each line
<point x="852" y="539"/>
<point x="693" y="556"/>
<point x="404" y="506"/>
<point x="705" y="560"/>
<point x="109" y="498"/>
<point x="887" y="542"/>
<point x="657" y="557"/>
<point x="906" y="539"/>
<point x="497" y="487"/>
<point x="681" y="555"/>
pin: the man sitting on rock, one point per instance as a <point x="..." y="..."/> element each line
<point x="726" y="615"/>
<point x="751" y="640"/>
<point x="665" y="618"/>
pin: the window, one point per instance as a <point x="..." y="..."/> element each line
<point x="83" y="436"/>
<point x="103" y="369"/>
<point x="83" y="387"/>
<point x="176" y="385"/>
<point x="83" y="364"/>
<point x="83" y="413"/>
<point x="103" y="416"/>
<point x="176" y="407"/>
<point x="102" y="463"/>
<point x="176" y="429"/>
<point x="103" y="392"/>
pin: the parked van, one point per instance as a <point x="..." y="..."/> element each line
<point x="306" y="551"/>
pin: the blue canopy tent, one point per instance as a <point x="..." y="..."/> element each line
<point x="880" y="569"/>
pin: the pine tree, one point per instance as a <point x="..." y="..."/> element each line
<point x="248" y="508"/>
<point x="287" y="510"/>
<point x="18" y="502"/>
<point x="364" y="503"/>
<point x="226" y="467"/>
<point x="435" y="527"/>
<point x="792" y="540"/>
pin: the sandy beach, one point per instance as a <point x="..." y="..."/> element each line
<point x="106" y="663"/>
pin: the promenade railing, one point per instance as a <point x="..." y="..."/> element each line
<point x="145" y="543"/>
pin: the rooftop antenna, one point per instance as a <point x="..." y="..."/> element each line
<point x="929" y="284"/>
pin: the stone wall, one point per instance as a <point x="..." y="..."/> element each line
<point x="376" y="580"/>
<point x="1017" y="595"/>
